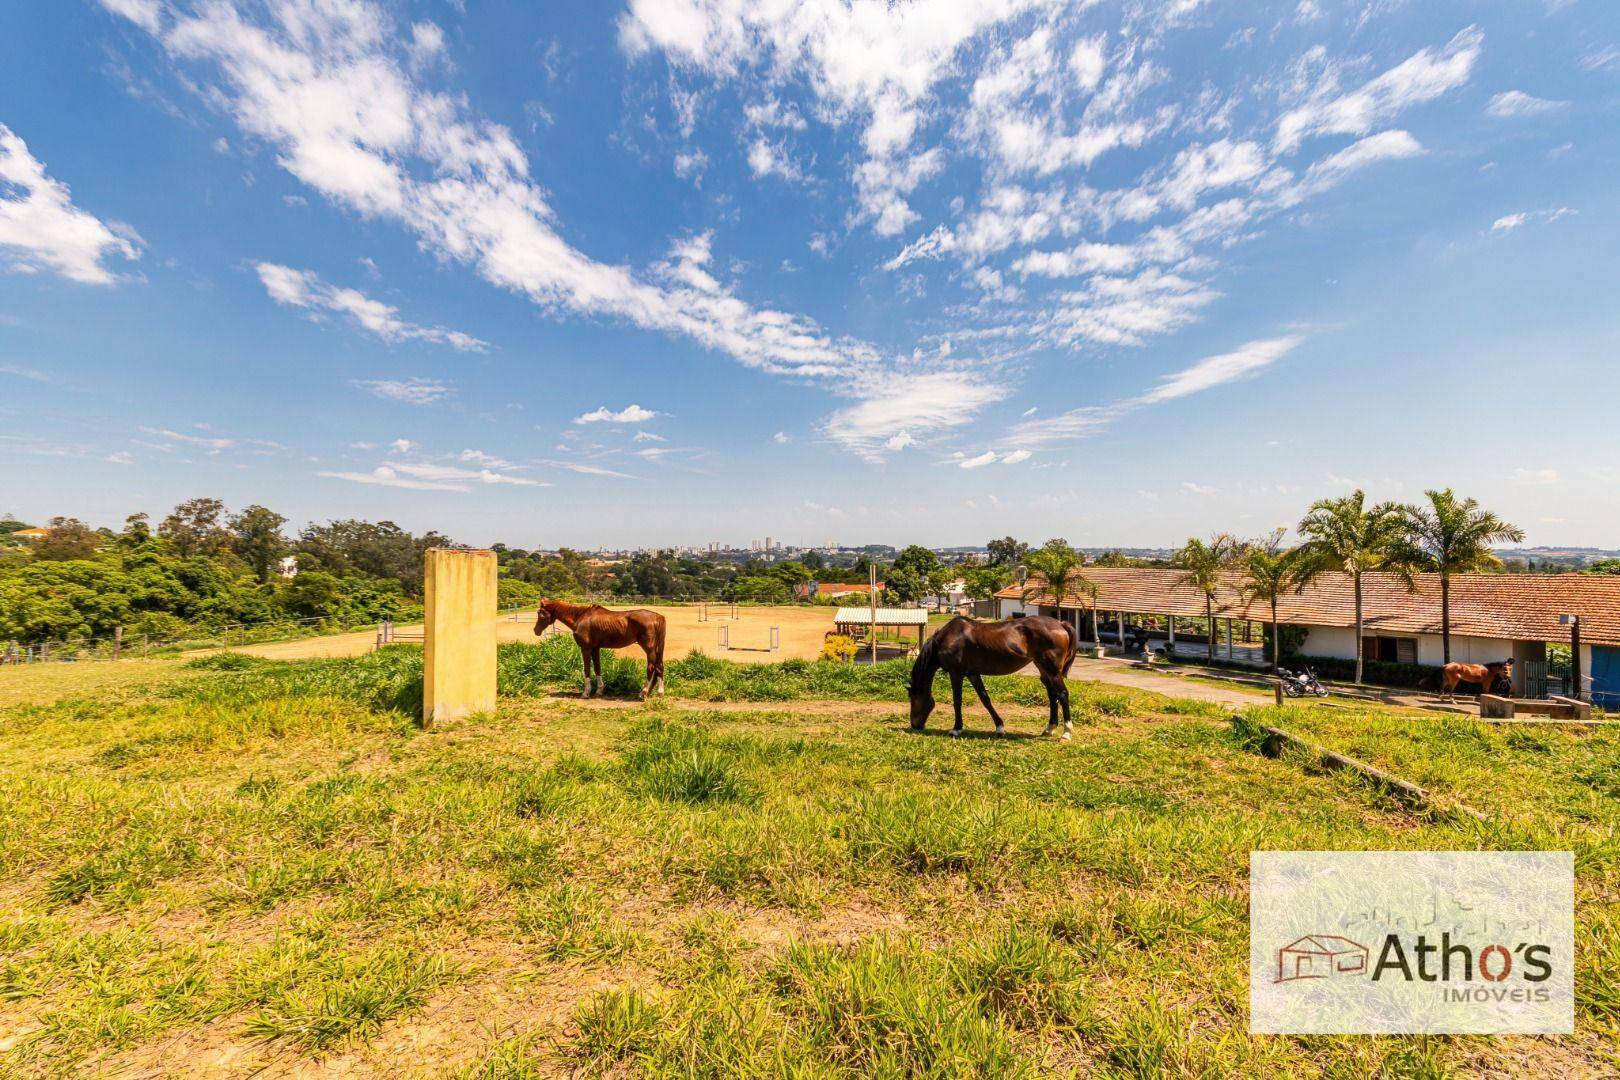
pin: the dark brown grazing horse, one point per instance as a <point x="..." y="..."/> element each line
<point x="596" y="628"/>
<point x="1486" y="675"/>
<point x="970" y="650"/>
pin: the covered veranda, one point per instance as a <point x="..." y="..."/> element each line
<point x="862" y="624"/>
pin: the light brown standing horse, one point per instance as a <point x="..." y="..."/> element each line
<point x="1486" y="675"/>
<point x="969" y="650"/>
<point x="596" y="628"/>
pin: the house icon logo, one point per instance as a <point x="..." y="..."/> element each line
<point x="1317" y="956"/>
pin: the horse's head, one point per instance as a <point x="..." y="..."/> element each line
<point x="922" y="705"/>
<point x="543" y="618"/>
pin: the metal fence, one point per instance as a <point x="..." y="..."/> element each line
<point x="122" y="646"/>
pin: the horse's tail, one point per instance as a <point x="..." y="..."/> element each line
<point x="1074" y="647"/>
<point x="655" y="645"/>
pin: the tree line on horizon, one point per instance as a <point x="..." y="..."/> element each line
<point x="202" y="565"/>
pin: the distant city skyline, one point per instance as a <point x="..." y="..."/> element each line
<point x="655" y="272"/>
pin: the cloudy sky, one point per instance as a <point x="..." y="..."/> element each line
<point x="672" y="271"/>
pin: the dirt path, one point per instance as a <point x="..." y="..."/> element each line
<point x="800" y="630"/>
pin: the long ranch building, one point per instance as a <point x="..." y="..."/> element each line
<point x="1493" y="617"/>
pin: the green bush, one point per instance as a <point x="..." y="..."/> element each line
<point x="1381" y="672"/>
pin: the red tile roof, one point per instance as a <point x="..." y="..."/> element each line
<point x="1510" y="607"/>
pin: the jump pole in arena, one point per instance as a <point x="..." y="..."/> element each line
<point x="458" y="667"/>
<point x="706" y="614"/>
<point x="774" y="642"/>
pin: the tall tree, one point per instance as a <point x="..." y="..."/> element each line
<point x="69" y="539"/>
<point x="984" y="580"/>
<point x="1008" y="551"/>
<point x="256" y="537"/>
<point x="1268" y="570"/>
<point x="380" y="549"/>
<point x="1060" y="568"/>
<point x="916" y="571"/>
<point x="1346" y="536"/>
<point x="1447" y="535"/>
<point x="1202" y="566"/>
<point x="137" y="530"/>
<point x="194" y="527"/>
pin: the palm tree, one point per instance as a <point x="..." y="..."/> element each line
<point x="1269" y="570"/>
<point x="1452" y="536"/>
<point x="1344" y="536"/>
<point x="1059" y="566"/>
<point x="1201" y="567"/>
<point x="1088" y="589"/>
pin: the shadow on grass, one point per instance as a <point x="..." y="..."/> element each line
<point x="988" y="735"/>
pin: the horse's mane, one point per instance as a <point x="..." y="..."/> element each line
<point x="922" y="670"/>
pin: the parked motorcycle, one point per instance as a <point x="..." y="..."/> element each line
<point x="1302" y="683"/>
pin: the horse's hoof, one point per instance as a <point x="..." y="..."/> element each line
<point x="1066" y="736"/>
<point x="955" y="733"/>
<point x="1001" y="731"/>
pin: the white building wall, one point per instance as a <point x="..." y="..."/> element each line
<point x="1335" y="641"/>
<point x="1340" y="642"/>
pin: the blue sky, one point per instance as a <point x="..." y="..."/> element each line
<point x="675" y="271"/>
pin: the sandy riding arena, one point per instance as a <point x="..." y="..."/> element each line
<point x="802" y="631"/>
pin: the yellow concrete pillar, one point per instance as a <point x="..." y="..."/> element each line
<point x="458" y="675"/>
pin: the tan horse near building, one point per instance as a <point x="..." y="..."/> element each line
<point x="1486" y="675"/>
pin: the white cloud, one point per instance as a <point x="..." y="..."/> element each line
<point x="386" y="476"/>
<point x="1015" y="457"/>
<point x="893" y="405"/>
<point x="872" y="63"/>
<point x="589" y="470"/>
<point x="41" y="229"/>
<point x="766" y="158"/>
<point x="1244" y="362"/>
<point x="401" y="446"/>
<point x="1241" y="363"/>
<point x="781" y="438"/>
<point x="147" y="14"/>
<point x="121" y="457"/>
<point x="647" y="436"/>
<point x="1198" y="489"/>
<point x="209" y="441"/>
<point x="899" y="441"/>
<point x="630" y="414"/>
<point x="979" y="461"/>
<point x="1384" y="146"/>
<point x="1509" y="222"/>
<point x="690" y="164"/>
<point x="1514" y="103"/>
<point x="410" y="391"/>
<point x="328" y="87"/>
<point x="1538" y="477"/>
<point x="1065" y="427"/>
<point x="427" y="43"/>
<point x="305" y="289"/>
<point x="1425" y="75"/>
<point x="433" y="476"/>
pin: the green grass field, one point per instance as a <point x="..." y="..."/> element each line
<point x="244" y="865"/>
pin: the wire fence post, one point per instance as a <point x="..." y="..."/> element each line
<point x="118" y="641"/>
